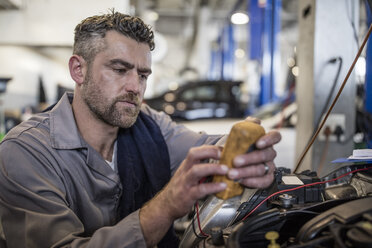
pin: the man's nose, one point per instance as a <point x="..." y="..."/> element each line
<point x="132" y="83"/>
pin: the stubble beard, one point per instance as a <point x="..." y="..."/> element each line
<point x="107" y="110"/>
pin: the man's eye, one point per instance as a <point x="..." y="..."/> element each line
<point x="143" y="77"/>
<point x="120" y="70"/>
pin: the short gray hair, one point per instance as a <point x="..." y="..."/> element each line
<point x="90" y="32"/>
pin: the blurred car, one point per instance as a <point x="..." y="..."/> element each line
<point x="200" y="100"/>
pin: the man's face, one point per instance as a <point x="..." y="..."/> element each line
<point x="116" y="80"/>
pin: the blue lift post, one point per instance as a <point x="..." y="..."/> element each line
<point x="222" y="59"/>
<point x="256" y="30"/>
<point x="228" y="49"/>
<point x="265" y="27"/>
<point x="368" y="79"/>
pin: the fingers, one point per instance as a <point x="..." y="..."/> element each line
<point x="204" y="189"/>
<point x="251" y="171"/>
<point x="199" y="171"/>
<point x="255" y="157"/>
<point x="184" y="188"/>
<point x="269" y="139"/>
<point x="197" y="154"/>
<point x="193" y="169"/>
<point x="254" y="176"/>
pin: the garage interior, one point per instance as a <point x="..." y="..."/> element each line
<point x="285" y="63"/>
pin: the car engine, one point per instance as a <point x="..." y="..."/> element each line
<point x="297" y="210"/>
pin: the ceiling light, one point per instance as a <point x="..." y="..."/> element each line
<point x="239" y="18"/>
<point x="239" y="53"/>
<point x="153" y="16"/>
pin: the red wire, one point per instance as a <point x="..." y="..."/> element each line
<point x="276" y="193"/>
<point x="197" y="217"/>
<point x="302" y="186"/>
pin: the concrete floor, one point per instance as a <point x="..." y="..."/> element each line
<point x="285" y="148"/>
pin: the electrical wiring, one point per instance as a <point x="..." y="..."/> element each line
<point x="196" y="206"/>
<point x="302" y="186"/>
<point x="255" y="199"/>
<point x="193" y="225"/>
<point x="198" y="220"/>
<point x="272" y="195"/>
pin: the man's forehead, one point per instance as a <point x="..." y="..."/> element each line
<point x="119" y="47"/>
<point x="113" y="35"/>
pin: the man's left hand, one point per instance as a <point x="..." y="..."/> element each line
<point x="256" y="169"/>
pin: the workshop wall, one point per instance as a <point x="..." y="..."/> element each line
<point x="25" y="65"/>
<point x="36" y="42"/>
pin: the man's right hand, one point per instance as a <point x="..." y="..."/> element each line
<point x="181" y="193"/>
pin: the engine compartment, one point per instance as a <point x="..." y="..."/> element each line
<point x="297" y="210"/>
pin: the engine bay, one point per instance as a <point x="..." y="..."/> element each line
<point x="297" y="210"/>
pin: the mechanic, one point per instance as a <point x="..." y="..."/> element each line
<point x="102" y="169"/>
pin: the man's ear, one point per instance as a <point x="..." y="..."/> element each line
<point x="77" y="66"/>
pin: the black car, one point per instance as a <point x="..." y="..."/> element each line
<point x="201" y="99"/>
